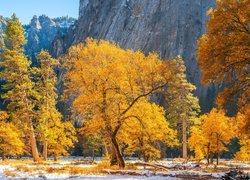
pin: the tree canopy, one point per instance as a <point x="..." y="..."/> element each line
<point x="224" y="51"/>
<point x="108" y="83"/>
<point x="211" y="134"/>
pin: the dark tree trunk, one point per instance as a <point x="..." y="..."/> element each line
<point x="184" y="138"/>
<point x="113" y="158"/>
<point x="33" y="144"/>
<point x="218" y="157"/>
<point x="45" y="150"/>
<point x="55" y="157"/>
<point x="145" y="157"/>
<point x="207" y="155"/>
<point x="3" y="156"/>
<point x="218" y="153"/>
<point x="212" y="159"/>
<point x="93" y="155"/>
<point x="120" y="160"/>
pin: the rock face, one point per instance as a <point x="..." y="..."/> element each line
<point x="2" y="25"/>
<point x="42" y="31"/>
<point x="168" y="27"/>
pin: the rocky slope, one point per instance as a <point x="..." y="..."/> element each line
<point x="2" y="25"/>
<point x="41" y="32"/>
<point x="169" y="27"/>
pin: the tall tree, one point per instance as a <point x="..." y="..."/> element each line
<point x="183" y="106"/>
<point x="18" y="86"/>
<point x="47" y="113"/>
<point x="108" y="82"/>
<point x="224" y="52"/>
<point x="56" y="136"/>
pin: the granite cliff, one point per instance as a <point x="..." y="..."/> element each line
<point x="2" y="25"/>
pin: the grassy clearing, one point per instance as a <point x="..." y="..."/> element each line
<point x="28" y="166"/>
<point x="9" y="173"/>
<point x="39" y="169"/>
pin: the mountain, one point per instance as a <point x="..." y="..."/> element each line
<point x="41" y="32"/>
<point x="168" y="27"/>
<point x="2" y="25"/>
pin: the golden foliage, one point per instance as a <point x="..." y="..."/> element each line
<point x="243" y="133"/>
<point x="224" y="52"/>
<point x="144" y="129"/>
<point x="211" y="134"/>
<point x="62" y="138"/>
<point x="108" y="82"/>
<point x="10" y="138"/>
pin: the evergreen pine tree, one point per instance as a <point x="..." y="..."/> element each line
<point x="55" y="135"/>
<point x="183" y="106"/>
<point x="18" y="85"/>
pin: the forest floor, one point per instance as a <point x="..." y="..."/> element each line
<point x="77" y="168"/>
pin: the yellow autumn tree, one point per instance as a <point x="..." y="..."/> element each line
<point x="243" y="135"/>
<point x="211" y="133"/>
<point x="61" y="138"/>
<point x="145" y="129"/>
<point x="224" y="51"/>
<point x="10" y="140"/>
<point x="223" y="56"/>
<point x="108" y="82"/>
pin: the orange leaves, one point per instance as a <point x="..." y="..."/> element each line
<point x="211" y="134"/>
<point x="10" y="137"/>
<point x="104" y="76"/>
<point x="243" y="133"/>
<point x="224" y="52"/>
<point x="3" y="116"/>
<point x="111" y="85"/>
<point x="144" y="127"/>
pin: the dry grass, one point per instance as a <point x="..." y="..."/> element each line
<point x="16" y="162"/>
<point x="29" y="167"/>
<point x="67" y="169"/>
<point x="179" y="160"/>
<point x="89" y="170"/>
<point x="9" y="173"/>
<point x="59" y="170"/>
<point x="74" y="170"/>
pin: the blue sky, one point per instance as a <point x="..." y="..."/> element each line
<point x="26" y="9"/>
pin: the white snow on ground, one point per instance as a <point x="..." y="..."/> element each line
<point x="43" y="175"/>
<point x="191" y="173"/>
<point x="112" y="177"/>
<point x="2" y="169"/>
<point x="142" y="173"/>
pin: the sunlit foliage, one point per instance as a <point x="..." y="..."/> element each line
<point x="108" y="83"/>
<point x="211" y="134"/>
